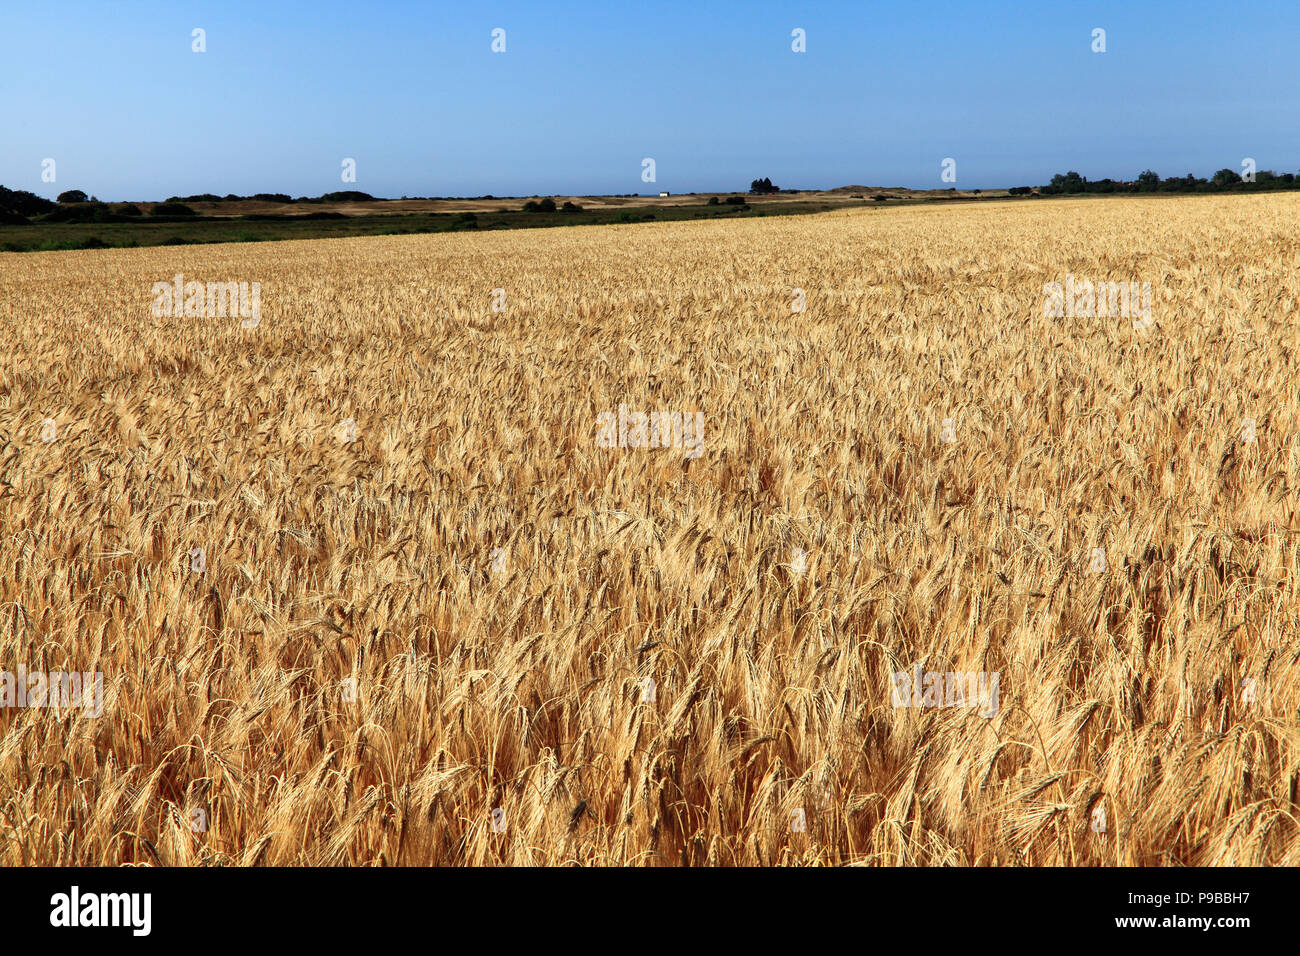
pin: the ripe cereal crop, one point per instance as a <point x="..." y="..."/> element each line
<point x="863" y="537"/>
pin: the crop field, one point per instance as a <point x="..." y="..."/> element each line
<point x="917" y="562"/>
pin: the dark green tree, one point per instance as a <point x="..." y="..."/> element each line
<point x="1070" y="182"/>
<point x="19" y="202"/>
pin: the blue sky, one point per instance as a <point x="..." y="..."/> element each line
<point x="585" y="90"/>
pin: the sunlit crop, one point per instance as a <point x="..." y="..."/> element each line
<point x="366" y="586"/>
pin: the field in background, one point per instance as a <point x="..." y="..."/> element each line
<point x="262" y="220"/>
<point x="358" y="676"/>
<point x="843" y="194"/>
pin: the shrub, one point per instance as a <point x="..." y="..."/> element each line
<point x="79" y="212"/>
<point x="347" y="195"/>
<point x="171" y="209"/>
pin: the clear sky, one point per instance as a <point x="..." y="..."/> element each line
<point x="712" y="91"/>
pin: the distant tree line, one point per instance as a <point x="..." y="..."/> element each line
<point x="346" y="195"/>
<point x="1148" y="181"/>
<point x="19" y="207"/>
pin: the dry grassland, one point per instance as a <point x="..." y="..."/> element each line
<point x="519" y="681"/>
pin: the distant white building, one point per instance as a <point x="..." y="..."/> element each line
<point x="663" y="195"/>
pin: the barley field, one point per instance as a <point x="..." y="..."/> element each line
<point x="367" y="587"/>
